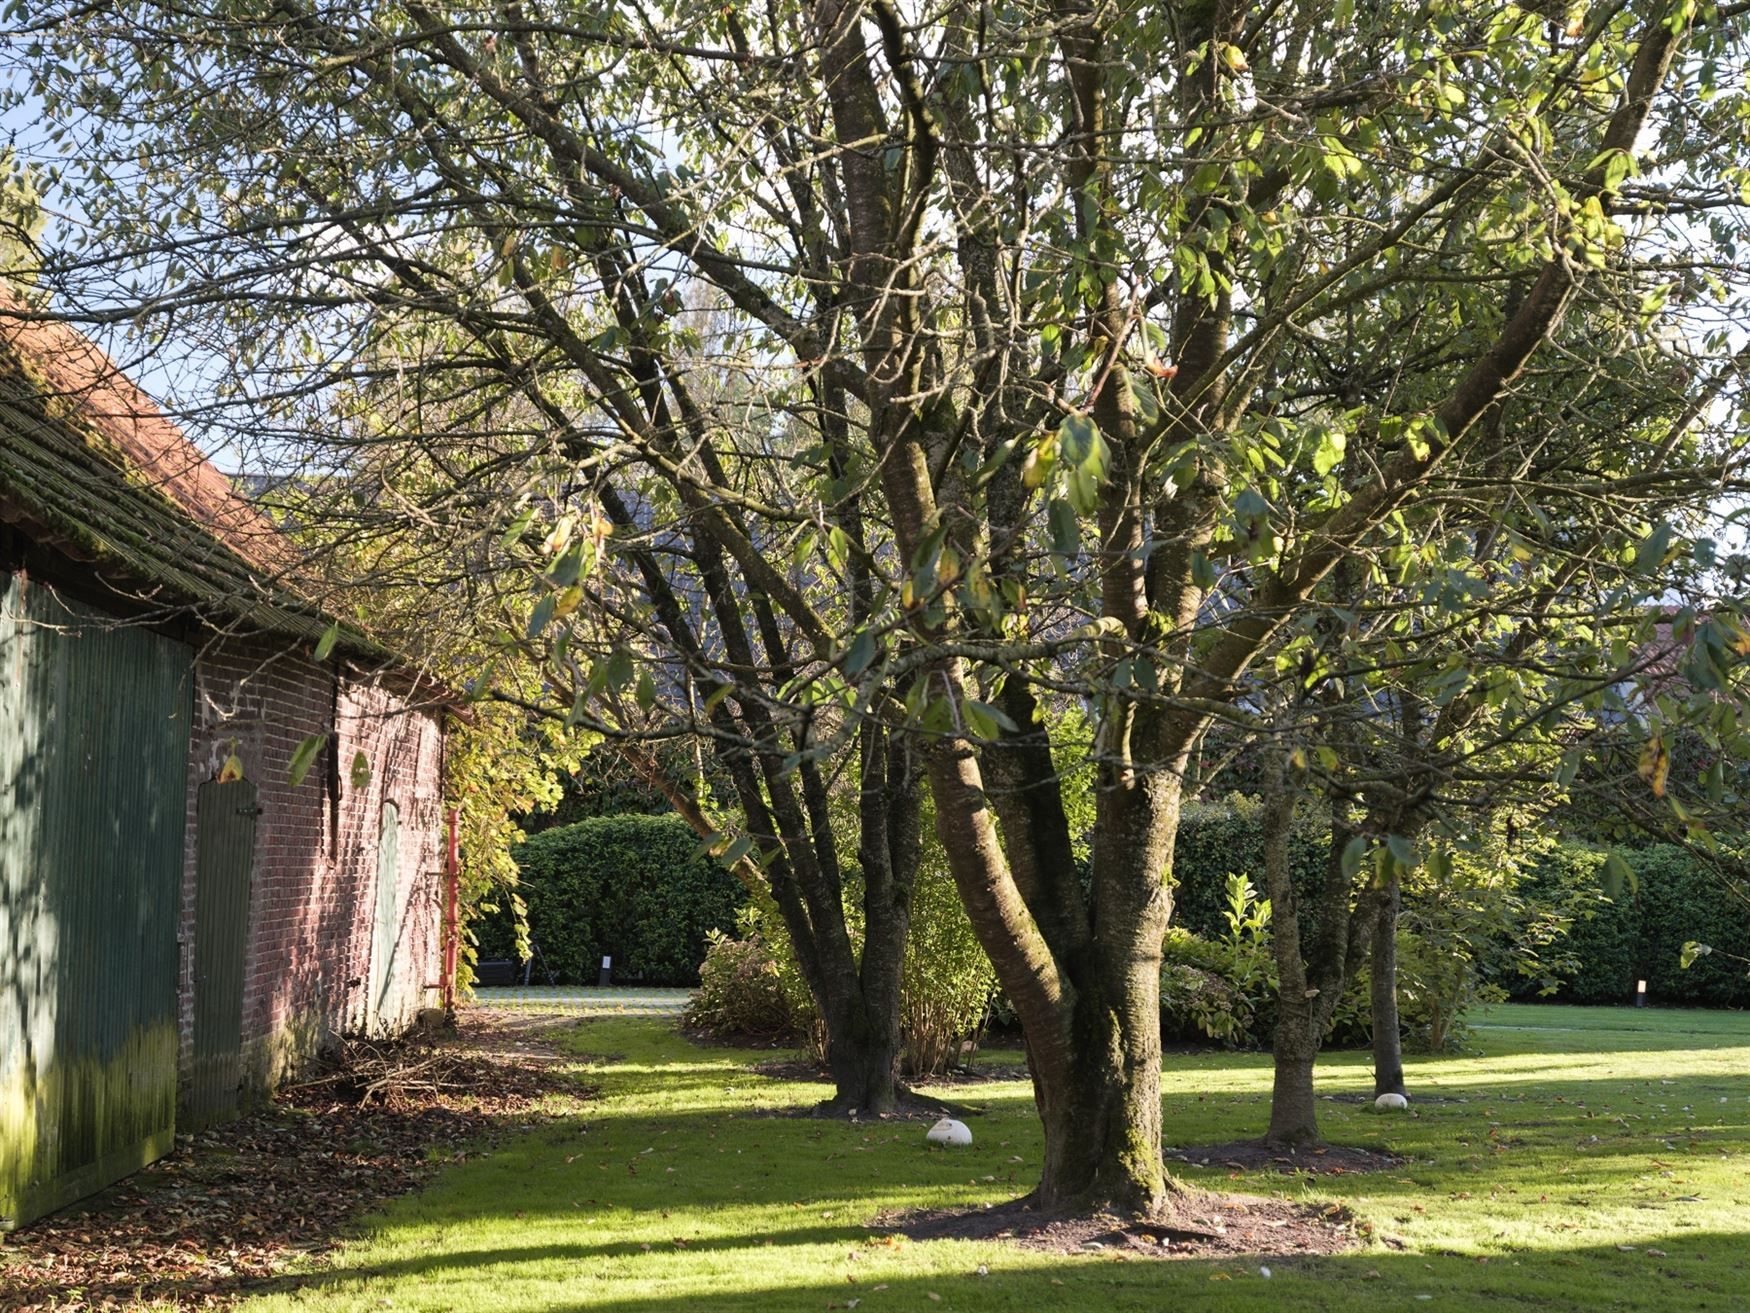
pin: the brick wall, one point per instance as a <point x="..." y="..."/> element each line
<point x="314" y="894"/>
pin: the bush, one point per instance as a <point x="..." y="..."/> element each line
<point x="1221" y="989"/>
<point x="946" y="981"/>
<point x="1601" y="934"/>
<point x="1682" y="897"/>
<point x="631" y="887"/>
<point x="739" y="991"/>
<point x="1225" y="989"/>
<point x="1221" y="839"/>
<point x="1639" y="933"/>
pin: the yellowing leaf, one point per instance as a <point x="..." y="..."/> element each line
<point x="1655" y="764"/>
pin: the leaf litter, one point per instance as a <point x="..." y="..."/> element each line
<point x="242" y="1204"/>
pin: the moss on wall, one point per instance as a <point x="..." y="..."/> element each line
<point x="78" y="1124"/>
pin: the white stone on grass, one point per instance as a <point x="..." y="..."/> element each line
<point x="1391" y="1103"/>
<point x="949" y="1132"/>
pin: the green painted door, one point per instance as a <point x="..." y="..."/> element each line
<point x="224" y="856"/>
<point x="386" y="939"/>
<point x="94" y="720"/>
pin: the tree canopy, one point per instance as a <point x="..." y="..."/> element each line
<point x="856" y="384"/>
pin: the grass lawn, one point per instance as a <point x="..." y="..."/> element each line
<point x="1582" y="1159"/>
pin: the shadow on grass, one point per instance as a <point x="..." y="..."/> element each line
<point x="675" y="1193"/>
<point x="1699" y="1271"/>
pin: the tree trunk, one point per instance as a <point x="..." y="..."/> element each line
<point x="1294" y="1117"/>
<point x="1388" y="1039"/>
<point x="1103" y="1123"/>
<point x="862" y="1053"/>
<point x="1091" y="1013"/>
<point x="1310" y="981"/>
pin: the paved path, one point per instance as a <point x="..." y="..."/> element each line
<point x="623" y="1001"/>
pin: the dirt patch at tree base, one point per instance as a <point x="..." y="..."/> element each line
<point x="1317" y="1159"/>
<point x="802" y="1069"/>
<point x="913" y="1106"/>
<point x="1200" y="1225"/>
<point x="1415" y="1100"/>
<point x="230" y="1208"/>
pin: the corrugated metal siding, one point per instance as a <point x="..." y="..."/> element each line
<point x="92" y="813"/>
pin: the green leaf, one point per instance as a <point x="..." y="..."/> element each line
<point x="1650" y="555"/>
<point x="514" y="531"/>
<point x="569" y="567"/>
<point x="304" y="757"/>
<point x="542" y="614"/>
<point x="1618" y="875"/>
<point x="1066" y="531"/>
<point x="1202" y="571"/>
<point x="1353" y="852"/>
<point x="739" y="848"/>
<point x="862" y="652"/>
<point x="984" y="720"/>
<point x="325" y="644"/>
<point x="1402" y="850"/>
<point x="620" y="668"/>
<point x="361" y="771"/>
<point x="1328" y="454"/>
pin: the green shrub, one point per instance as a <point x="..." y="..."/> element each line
<point x="1225" y="989"/>
<point x="1639" y="932"/>
<point x="631" y="887"/>
<point x="1199" y="1005"/>
<point x="946" y="981"/>
<point x="1682" y="897"/>
<point x="1600" y="941"/>
<point x="739" y="991"/>
<point x="1220" y="839"/>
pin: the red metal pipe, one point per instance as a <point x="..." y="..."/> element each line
<point x="452" y="927"/>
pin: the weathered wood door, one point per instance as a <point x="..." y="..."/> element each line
<point x="224" y="858"/>
<point x="386" y="939"/>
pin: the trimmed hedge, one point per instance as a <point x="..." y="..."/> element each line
<point x="1639" y="935"/>
<point x="630" y="887"/>
<point x="1218" y="839"/>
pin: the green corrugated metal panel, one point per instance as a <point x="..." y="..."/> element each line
<point x="224" y="855"/>
<point x="93" y="780"/>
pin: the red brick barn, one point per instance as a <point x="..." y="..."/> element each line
<point x="181" y="926"/>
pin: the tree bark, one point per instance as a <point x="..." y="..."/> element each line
<point x="1388" y="1039"/>
<point x="1310" y="981"/>
<point x="1294" y="1117"/>
<point x="862" y="1053"/>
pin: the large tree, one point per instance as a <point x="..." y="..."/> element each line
<point x="884" y="373"/>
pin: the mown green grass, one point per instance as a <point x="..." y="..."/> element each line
<point x="1587" y="1159"/>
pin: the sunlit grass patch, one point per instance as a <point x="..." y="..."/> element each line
<point x="1576" y="1159"/>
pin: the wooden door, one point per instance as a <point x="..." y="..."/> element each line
<point x="386" y="939"/>
<point x="224" y="858"/>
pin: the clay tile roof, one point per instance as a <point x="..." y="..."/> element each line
<point x="92" y="466"/>
<point x="91" y="387"/>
